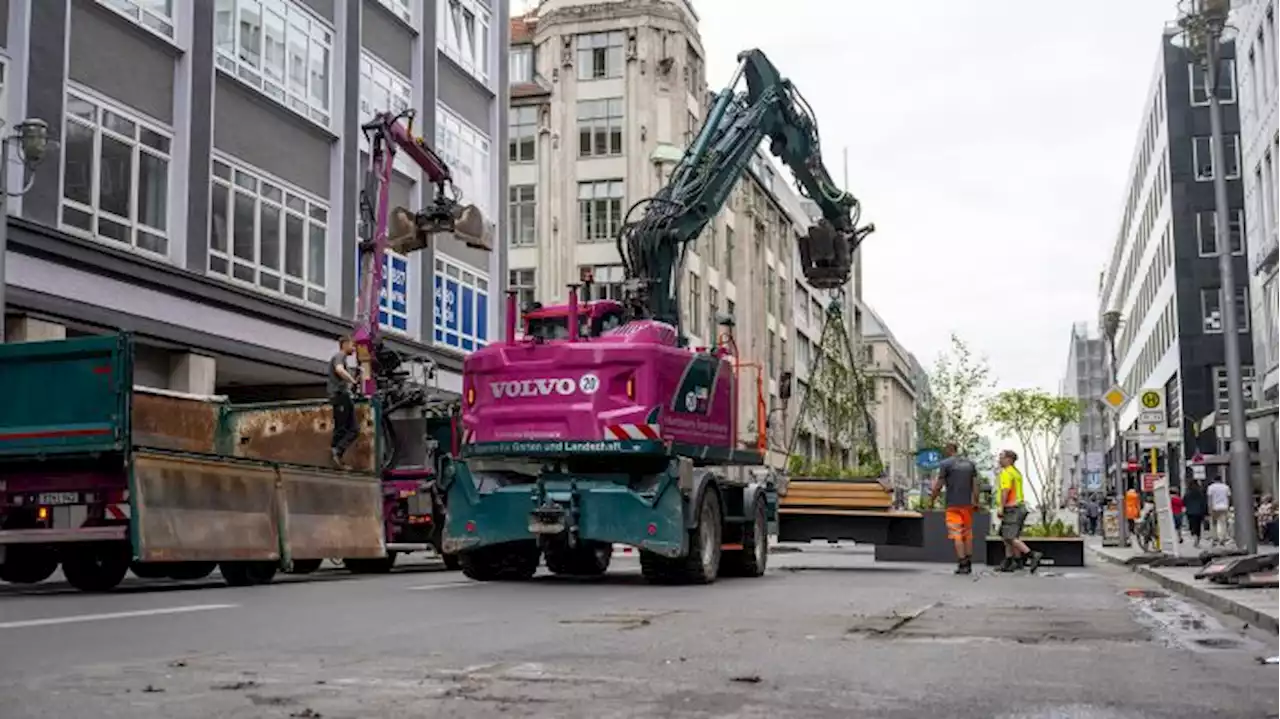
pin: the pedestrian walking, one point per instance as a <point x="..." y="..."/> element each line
<point x="1132" y="509"/>
<point x="1178" y="506"/>
<point x="1196" y="507"/>
<point x="1092" y="513"/>
<point x="340" y="385"/>
<point x="1013" y="515"/>
<point x="1219" y="496"/>
<point x="959" y="477"/>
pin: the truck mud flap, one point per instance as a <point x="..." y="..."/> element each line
<point x="188" y="508"/>
<point x="330" y="514"/>
<point x="903" y="529"/>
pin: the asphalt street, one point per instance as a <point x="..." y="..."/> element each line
<point x="826" y="633"/>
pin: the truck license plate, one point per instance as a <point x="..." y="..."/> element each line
<point x="59" y="498"/>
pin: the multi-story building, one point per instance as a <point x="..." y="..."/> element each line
<point x="204" y="190"/>
<point x="605" y="97"/>
<point x="1082" y="444"/>
<point x="1163" y="275"/>
<point x="889" y="370"/>
<point x="1260" y="139"/>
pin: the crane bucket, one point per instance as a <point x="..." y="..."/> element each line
<point x="826" y="256"/>
<point x="409" y="231"/>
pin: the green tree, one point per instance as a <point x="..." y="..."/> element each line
<point x="960" y="385"/>
<point x="1038" y="420"/>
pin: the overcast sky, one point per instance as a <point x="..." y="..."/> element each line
<point x="989" y="141"/>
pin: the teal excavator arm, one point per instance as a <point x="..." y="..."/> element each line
<point x="653" y="246"/>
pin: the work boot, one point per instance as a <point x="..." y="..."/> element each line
<point x="964" y="566"/>
<point x="1008" y="565"/>
<point x="1033" y="560"/>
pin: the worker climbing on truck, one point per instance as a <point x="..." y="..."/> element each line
<point x="340" y="386"/>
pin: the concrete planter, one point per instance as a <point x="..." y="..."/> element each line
<point x="937" y="547"/>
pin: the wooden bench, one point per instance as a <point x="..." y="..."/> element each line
<point x="1058" y="551"/>
<point x="844" y="509"/>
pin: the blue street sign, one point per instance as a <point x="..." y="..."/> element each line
<point x="928" y="458"/>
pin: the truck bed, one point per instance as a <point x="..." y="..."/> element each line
<point x="196" y="477"/>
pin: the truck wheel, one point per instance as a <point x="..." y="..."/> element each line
<point x="512" y="562"/>
<point x="451" y="562"/>
<point x="248" y="574"/>
<point x="702" y="563"/>
<point x="28" y="564"/>
<point x="586" y="560"/>
<point x="377" y="565"/>
<point x="305" y="566"/>
<point x="750" y="561"/>
<point x="96" y="567"/>
<point x="186" y="571"/>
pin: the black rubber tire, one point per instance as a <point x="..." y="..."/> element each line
<point x="187" y="571"/>
<point x="509" y="562"/>
<point x="451" y="562"/>
<point x="96" y="566"/>
<point x="150" y="570"/>
<point x="248" y="574"/>
<point x="305" y="566"/>
<point x="701" y="565"/>
<point x="590" y="559"/>
<point x="28" y="564"/>
<point x="376" y="565"/>
<point x="753" y="558"/>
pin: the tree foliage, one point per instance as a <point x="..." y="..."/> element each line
<point x="960" y="385"/>
<point x="1038" y="420"/>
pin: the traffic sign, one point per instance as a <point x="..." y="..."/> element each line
<point x="1149" y="480"/>
<point x="928" y="459"/>
<point x="1153" y="426"/>
<point x="1115" y="397"/>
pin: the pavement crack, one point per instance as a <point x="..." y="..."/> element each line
<point x="892" y="623"/>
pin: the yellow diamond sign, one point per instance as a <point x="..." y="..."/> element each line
<point x="1115" y="397"/>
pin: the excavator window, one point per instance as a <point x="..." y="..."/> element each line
<point x="556" y="327"/>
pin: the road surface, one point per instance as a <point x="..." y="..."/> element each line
<point x="826" y="633"/>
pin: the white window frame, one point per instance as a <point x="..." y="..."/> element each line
<point x="520" y="64"/>
<point x="402" y="9"/>
<point x="1242" y="312"/>
<point x="516" y="133"/>
<point x="526" y="292"/>
<point x="4" y="94"/>
<point x="516" y="208"/>
<point x="602" y="122"/>
<point x="374" y="73"/>
<point x="479" y="284"/>
<point x="464" y="149"/>
<point x="297" y="17"/>
<point x="1237" y="219"/>
<point x="613" y="219"/>
<point x="1221" y="401"/>
<point x="473" y="59"/>
<point x="141" y="122"/>
<point x="311" y="204"/>
<point x="1196" y="71"/>
<point x="144" y="17"/>
<point x="1213" y="164"/>
<point x="587" y="43"/>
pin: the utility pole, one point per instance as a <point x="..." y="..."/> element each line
<point x="1110" y="326"/>
<point x="1203" y="23"/>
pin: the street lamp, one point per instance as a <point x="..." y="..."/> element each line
<point x="1110" y="326"/>
<point x="32" y="138"/>
<point x="1203" y="24"/>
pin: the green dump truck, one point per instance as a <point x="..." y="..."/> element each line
<point x="99" y="476"/>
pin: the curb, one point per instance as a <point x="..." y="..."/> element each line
<point x="1199" y="594"/>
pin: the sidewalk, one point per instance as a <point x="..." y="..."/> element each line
<point x="1258" y="607"/>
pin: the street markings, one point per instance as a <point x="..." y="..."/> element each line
<point x="73" y="619"/>
<point x="444" y="585"/>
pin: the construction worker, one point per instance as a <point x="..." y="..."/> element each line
<point x="1013" y="515"/>
<point x="1132" y="509"/>
<point x="960" y="478"/>
<point x="340" y="385"/>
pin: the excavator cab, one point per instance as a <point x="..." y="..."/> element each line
<point x="552" y="323"/>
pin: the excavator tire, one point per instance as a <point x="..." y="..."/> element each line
<point x="96" y="566"/>
<point x="701" y="565"/>
<point x="509" y="562"/>
<point x="751" y="560"/>
<point x="28" y="564"/>
<point x="248" y="574"/>
<point x="585" y="560"/>
<point x="451" y="562"/>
